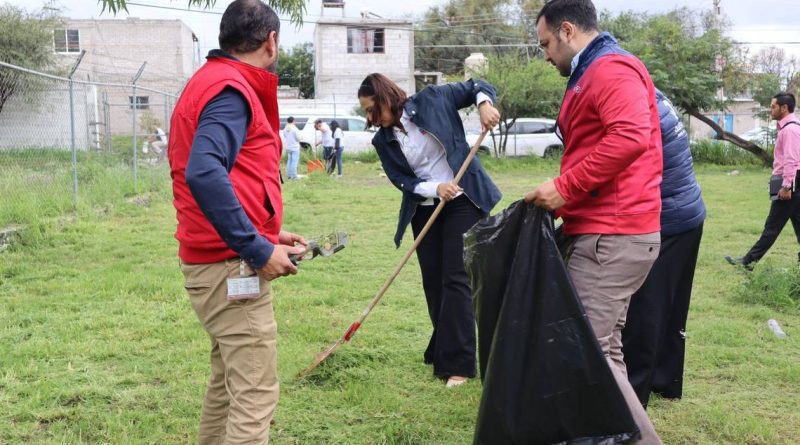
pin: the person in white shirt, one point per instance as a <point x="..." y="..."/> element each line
<point x="291" y="139"/>
<point x="157" y="140"/>
<point x="326" y="140"/>
<point x="338" y="145"/>
<point x="421" y="144"/>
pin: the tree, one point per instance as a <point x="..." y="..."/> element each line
<point x="295" y="8"/>
<point x="772" y="60"/>
<point x="27" y="41"/>
<point x="524" y="88"/>
<point x="689" y="60"/>
<point x="472" y="22"/>
<point x="296" y="68"/>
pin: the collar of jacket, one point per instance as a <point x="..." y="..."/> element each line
<point x="263" y="82"/>
<point x="412" y="105"/>
<point x="603" y="44"/>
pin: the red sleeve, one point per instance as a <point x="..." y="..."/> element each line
<point x="623" y="104"/>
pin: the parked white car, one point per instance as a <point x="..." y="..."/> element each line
<point x="357" y="137"/>
<point x="760" y="135"/>
<point x="527" y="136"/>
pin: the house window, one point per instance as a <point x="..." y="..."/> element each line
<point x="141" y="102"/>
<point x="365" y="40"/>
<point x="67" y="40"/>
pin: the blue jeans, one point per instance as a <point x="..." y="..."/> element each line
<point x="339" y="159"/>
<point x="291" y="163"/>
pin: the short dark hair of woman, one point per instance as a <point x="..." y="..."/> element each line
<point x="290" y="119"/>
<point x="580" y="13"/>
<point x="335" y="125"/>
<point x="386" y="94"/>
<point x="246" y="25"/>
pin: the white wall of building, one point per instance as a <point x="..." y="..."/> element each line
<point x="339" y="73"/>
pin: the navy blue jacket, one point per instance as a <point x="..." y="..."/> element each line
<point x="435" y="110"/>
<point x="682" y="207"/>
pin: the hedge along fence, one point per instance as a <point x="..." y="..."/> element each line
<point x="722" y="153"/>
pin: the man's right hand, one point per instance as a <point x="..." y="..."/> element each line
<point x="279" y="264"/>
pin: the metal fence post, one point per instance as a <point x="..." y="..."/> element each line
<point x="135" y="105"/>
<point x="107" y="118"/>
<point x="166" y="112"/>
<point x="86" y="113"/>
<point x="72" y="131"/>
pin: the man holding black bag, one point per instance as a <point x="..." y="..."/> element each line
<point x="786" y="200"/>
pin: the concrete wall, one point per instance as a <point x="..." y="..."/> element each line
<point x="743" y="120"/>
<point x="339" y="74"/>
<point x="40" y="119"/>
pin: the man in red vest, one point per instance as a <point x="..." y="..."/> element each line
<point x="224" y="157"/>
<point x="608" y="193"/>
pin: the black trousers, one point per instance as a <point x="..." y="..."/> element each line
<point x="654" y="337"/>
<point x="779" y="213"/>
<point x="451" y="348"/>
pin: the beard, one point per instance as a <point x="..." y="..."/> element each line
<point x="273" y="67"/>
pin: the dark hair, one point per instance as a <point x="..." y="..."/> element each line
<point x="580" y="13"/>
<point x="246" y="25"/>
<point x="334" y="125"/>
<point x="784" y="98"/>
<point x="318" y="121"/>
<point x="290" y="119"/>
<point x="385" y="93"/>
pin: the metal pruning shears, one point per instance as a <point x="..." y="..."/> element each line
<point x="322" y="246"/>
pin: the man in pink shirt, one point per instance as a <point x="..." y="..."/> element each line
<point x="786" y="165"/>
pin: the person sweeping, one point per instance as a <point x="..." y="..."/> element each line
<point x="421" y="144"/>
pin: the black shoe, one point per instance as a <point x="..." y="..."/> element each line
<point x="739" y="261"/>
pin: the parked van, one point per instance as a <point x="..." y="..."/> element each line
<point x="357" y="137"/>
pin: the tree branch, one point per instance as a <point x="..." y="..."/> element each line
<point x="759" y="152"/>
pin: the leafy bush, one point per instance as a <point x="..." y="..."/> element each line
<point x="722" y="153"/>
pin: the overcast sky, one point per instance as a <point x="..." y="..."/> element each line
<point x="776" y="21"/>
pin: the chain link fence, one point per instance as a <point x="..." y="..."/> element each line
<point x="67" y="143"/>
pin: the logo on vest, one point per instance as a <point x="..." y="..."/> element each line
<point x="577" y="89"/>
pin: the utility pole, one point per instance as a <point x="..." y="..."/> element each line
<point x="717" y="11"/>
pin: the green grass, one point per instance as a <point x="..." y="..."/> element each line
<point x="99" y="344"/>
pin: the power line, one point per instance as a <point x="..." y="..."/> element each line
<point x="501" y="45"/>
<point x="360" y="25"/>
<point x="766" y="43"/>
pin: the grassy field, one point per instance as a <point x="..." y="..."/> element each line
<point x="99" y="344"/>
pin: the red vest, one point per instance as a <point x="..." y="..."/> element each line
<point x="255" y="175"/>
<point x="612" y="163"/>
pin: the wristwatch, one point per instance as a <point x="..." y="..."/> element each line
<point x="786" y="188"/>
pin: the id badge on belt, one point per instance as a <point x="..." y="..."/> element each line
<point x="243" y="287"/>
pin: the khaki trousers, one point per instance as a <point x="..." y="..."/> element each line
<point x="606" y="270"/>
<point x="243" y="390"/>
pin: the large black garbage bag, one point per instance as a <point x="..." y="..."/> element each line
<point x="545" y="379"/>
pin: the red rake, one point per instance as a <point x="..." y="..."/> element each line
<point x="322" y="356"/>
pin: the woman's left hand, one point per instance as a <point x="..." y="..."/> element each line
<point x="489" y="115"/>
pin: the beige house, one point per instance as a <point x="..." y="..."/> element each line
<point x="115" y="52"/>
<point x="347" y="49"/>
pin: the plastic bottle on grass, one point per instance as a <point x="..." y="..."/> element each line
<point x="776" y="328"/>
